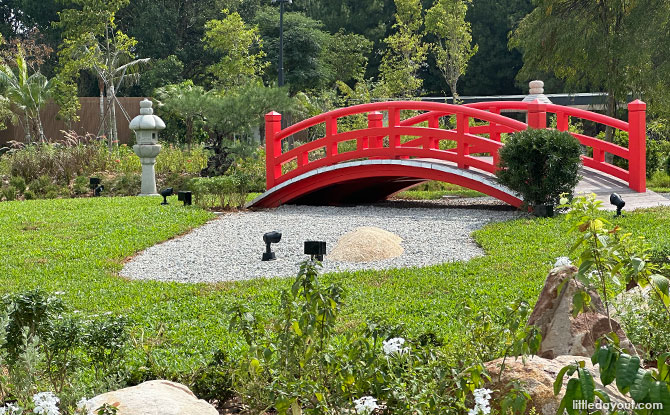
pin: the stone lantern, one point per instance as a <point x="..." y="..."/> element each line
<point x="146" y="127"/>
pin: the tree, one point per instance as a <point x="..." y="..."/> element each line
<point x="304" y="43"/>
<point x="406" y="51"/>
<point x="601" y="46"/>
<point x="231" y="116"/>
<point x="186" y="102"/>
<point x="240" y="47"/>
<point x="493" y="69"/>
<point x="453" y="39"/>
<point x="91" y="41"/>
<point x="27" y="94"/>
<point x="346" y="56"/>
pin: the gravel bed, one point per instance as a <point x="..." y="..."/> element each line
<point x="230" y="247"/>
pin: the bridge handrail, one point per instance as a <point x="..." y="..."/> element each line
<point x="485" y="111"/>
<point x="636" y="129"/>
<point x="397" y="105"/>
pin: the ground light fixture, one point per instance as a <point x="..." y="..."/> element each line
<point x="165" y="193"/>
<point x="270" y="238"/>
<point x="315" y="249"/>
<point x="617" y="201"/>
<point x="93" y="182"/>
<point x="186" y="197"/>
<point x="98" y="189"/>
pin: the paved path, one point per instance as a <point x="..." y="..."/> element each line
<point x="604" y="185"/>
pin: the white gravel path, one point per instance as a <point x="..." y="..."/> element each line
<point x="230" y="247"/>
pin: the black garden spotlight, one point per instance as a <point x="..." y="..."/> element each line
<point x="93" y="182"/>
<point x="98" y="189"/>
<point x="165" y="193"/>
<point x="186" y="197"/>
<point x="270" y="238"/>
<point x="617" y="201"/>
<point x="315" y="249"/>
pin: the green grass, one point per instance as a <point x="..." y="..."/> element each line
<point x="78" y="246"/>
<point x="659" y="182"/>
<point x="436" y="194"/>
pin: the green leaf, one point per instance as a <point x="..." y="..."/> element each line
<point x="558" y="383"/>
<point x="572" y="393"/>
<point x="587" y="384"/>
<point x="663" y="367"/>
<point x="626" y="371"/>
<point x="640" y="388"/>
<point x="602" y="395"/>
<point x="296" y="328"/>
<point x="659" y="393"/>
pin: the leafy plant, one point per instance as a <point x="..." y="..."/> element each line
<point x="540" y="164"/>
<point x="610" y="257"/>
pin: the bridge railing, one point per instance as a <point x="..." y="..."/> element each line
<point x="381" y="140"/>
<point x="537" y="112"/>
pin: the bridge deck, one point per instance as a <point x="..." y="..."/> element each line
<point x="370" y="189"/>
<point x="603" y="185"/>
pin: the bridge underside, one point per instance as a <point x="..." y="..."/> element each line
<point x="370" y="181"/>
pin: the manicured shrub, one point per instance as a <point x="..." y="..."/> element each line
<point x="540" y="164"/>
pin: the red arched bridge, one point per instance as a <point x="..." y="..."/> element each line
<point x="371" y="151"/>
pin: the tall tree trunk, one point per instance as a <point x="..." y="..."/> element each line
<point x="112" y="115"/>
<point x="101" y="129"/>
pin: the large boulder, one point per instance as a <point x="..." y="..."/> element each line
<point x="151" y="398"/>
<point x="563" y="334"/>
<point x="537" y="377"/>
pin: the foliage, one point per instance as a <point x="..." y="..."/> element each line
<point x="302" y="366"/>
<point x="610" y="257"/>
<point x="453" y="39"/>
<point x="42" y="345"/>
<point x="406" y="51"/>
<point x="346" y="57"/>
<point x="231" y="116"/>
<point x="656" y="151"/>
<point x="91" y="41"/>
<point x="76" y="246"/>
<point x="540" y="164"/>
<point x="587" y="43"/>
<point x="226" y="192"/>
<point x="51" y="170"/>
<point x="241" y="48"/>
<point x="186" y="102"/>
<point x="304" y="43"/>
<point x="27" y="95"/>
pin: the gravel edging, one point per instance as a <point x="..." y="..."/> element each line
<point x="229" y="248"/>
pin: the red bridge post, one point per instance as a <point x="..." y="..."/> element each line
<point x="537" y="115"/>
<point x="375" y="120"/>
<point x="637" y="145"/>
<point x="272" y="148"/>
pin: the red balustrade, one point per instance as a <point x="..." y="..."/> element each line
<point x="384" y="140"/>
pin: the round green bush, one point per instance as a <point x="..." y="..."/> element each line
<point x="540" y="165"/>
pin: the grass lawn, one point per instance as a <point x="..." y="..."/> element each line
<point x="77" y="246"/>
<point x="436" y="194"/>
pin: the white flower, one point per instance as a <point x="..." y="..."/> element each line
<point x="10" y="409"/>
<point x="562" y="262"/>
<point x="482" y="398"/>
<point x="394" y="345"/>
<point x="365" y="405"/>
<point x="46" y="403"/>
